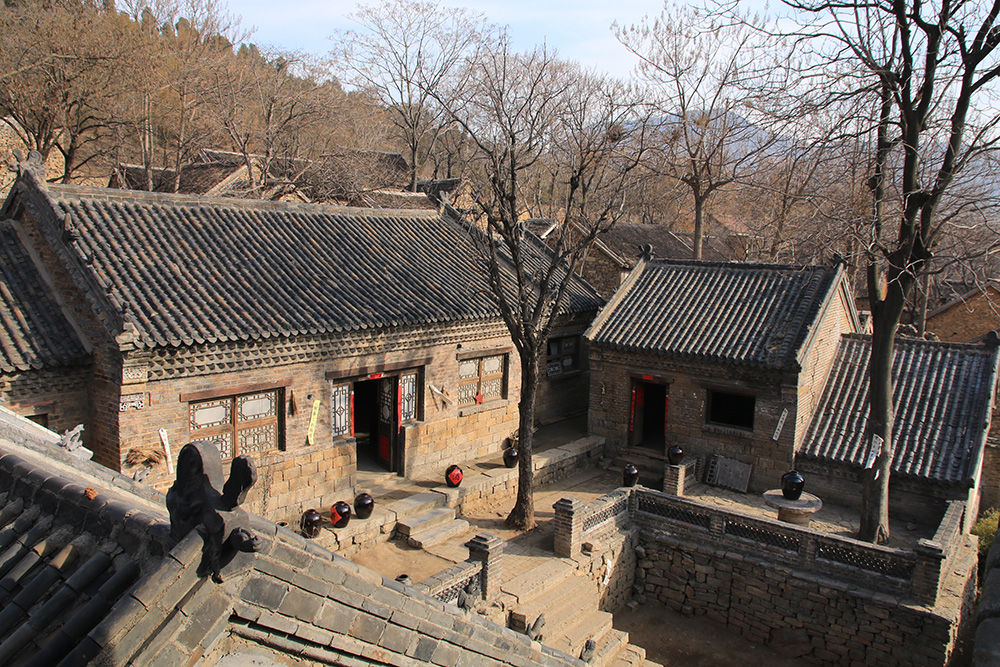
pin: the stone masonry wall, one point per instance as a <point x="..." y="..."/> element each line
<point x="602" y="272"/>
<point x="822" y="621"/>
<point x="612" y="374"/>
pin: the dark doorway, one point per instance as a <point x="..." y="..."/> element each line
<point x="648" y="419"/>
<point x="376" y="412"/>
<point x="366" y="423"/>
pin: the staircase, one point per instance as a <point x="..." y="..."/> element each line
<point x="569" y="601"/>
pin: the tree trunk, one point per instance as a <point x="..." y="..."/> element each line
<point x="699" y="225"/>
<point x="886" y="313"/>
<point x="523" y="514"/>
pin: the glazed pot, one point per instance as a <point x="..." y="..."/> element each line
<point x="675" y="455"/>
<point x="791" y="485"/>
<point x="363" y="505"/>
<point x="310" y="523"/>
<point x="510" y="457"/>
<point x="630" y="475"/>
<point x="340" y="514"/>
<point x="453" y="476"/>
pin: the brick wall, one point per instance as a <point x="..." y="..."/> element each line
<point x="968" y="321"/>
<point x="612" y="374"/>
<point x="819" y="361"/>
<point x="602" y="272"/>
<point x="990" y="482"/>
<point x="59" y="394"/>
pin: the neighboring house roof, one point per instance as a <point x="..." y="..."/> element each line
<point x="942" y="393"/>
<point x="197" y="178"/>
<point x="748" y="314"/>
<point x="626" y="240"/>
<point x="193" y="269"/>
<point x="35" y="330"/>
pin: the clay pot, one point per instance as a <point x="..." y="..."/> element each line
<point x="340" y="514"/>
<point x="791" y="485"/>
<point x="675" y="455"/>
<point x="630" y="475"/>
<point x="453" y="476"/>
<point x="510" y="457"/>
<point x="363" y="506"/>
<point x="310" y="523"/>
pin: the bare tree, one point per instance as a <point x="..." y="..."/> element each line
<point x="693" y="66"/>
<point x="927" y="72"/>
<point x="403" y="51"/>
<point x="518" y="111"/>
<point x="65" y="68"/>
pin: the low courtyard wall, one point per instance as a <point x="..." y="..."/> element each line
<point x="823" y="598"/>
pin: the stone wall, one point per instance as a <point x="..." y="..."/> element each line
<point x="826" y="599"/>
<point x="987" y="647"/>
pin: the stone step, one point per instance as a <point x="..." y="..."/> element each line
<point x="538" y="581"/>
<point x="571" y="636"/>
<point x="438" y="534"/>
<point x="425" y="521"/>
<point x="631" y="656"/>
<point x="614" y="646"/>
<point x="575" y="595"/>
<point x="415" y="504"/>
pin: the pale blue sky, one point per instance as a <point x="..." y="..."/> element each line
<point x="579" y="30"/>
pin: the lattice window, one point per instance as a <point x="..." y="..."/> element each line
<point x="884" y="565"/>
<point x="482" y="379"/>
<point x="762" y="535"/>
<point x="563" y="356"/>
<point x="620" y="506"/>
<point x="671" y="511"/>
<point x="246" y="424"/>
<point x="408" y="397"/>
<point x="340" y="410"/>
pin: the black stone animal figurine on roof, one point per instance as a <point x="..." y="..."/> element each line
<point x="198" y="499"/>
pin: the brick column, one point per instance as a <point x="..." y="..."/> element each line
<point x="568" y="527"/>
<point x="487" y="548"/>
<point x="927" y="573"/>
<point x="673" y="479"/>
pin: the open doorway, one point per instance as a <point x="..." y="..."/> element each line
<point x="366" y="423"/>
<point x="376" y="414"/>
<point x="648" y="418"/>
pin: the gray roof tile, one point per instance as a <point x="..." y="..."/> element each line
<point x="192" y="269"/>
<point x="749" y="314"/>
<point x="942" y="396"/>
<point x="34" y="331"/>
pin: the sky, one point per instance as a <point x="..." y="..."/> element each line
<point x="579" y="30"/>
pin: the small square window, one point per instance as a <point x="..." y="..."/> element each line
<point x="482" y="379"/>
<point x="731" y="410"/>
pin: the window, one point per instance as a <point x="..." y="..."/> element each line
<point x="408" y="397"/>
<point x="246" y="424"/>
<point x="731" y="410"/>
<point x="341" y="409"/>
<point x="563" y="356"/>
<point x="482" y="379"/>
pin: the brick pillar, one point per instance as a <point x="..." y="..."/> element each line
<point x="568" y="527"/>
<point x="927" y="573"/>
<point x="487" y="548"/>
<point x="673" y="479"/>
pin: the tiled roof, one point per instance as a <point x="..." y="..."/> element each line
<point x="942" y="395"/>
<point x="749" y="314"/>
<point x="627" y="239"/>
<point x="89" y="575"/>
<point x="192" y="269"/>
<point x="196" y="178"/>
<point x="34" y="331"/>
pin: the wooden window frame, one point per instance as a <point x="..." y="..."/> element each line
<point x="234" y="426"/>
<point x="481" y="377"/>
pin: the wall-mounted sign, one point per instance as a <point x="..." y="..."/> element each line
<point x="313" y="418"/>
